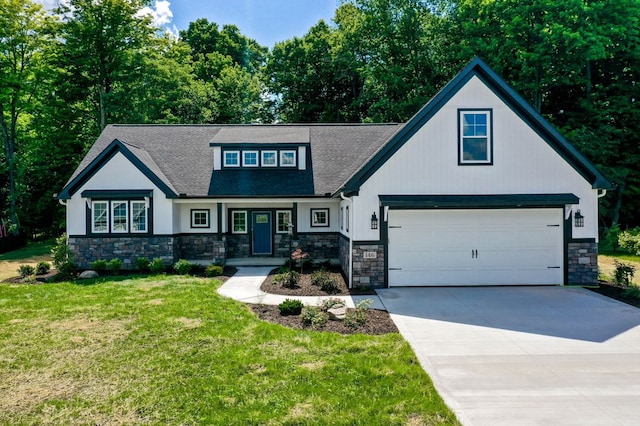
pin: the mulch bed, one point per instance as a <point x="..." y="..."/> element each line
<point x="377" y="321"/>
<point x="615" y="291"/>
<point x="305" y="288"/>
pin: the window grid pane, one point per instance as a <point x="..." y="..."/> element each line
<point x="100" y="217"/>
<point x="239" y="222"/>
<point x="283" y="218"/>
<point x="250" y="158"/>
<point x="119" y="216"/>
<point x="138" y="216"/>
<point x="269" y="159"/>
<point x="475" y="143"/>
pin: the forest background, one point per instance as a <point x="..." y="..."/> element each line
<point x="65" y="74"/>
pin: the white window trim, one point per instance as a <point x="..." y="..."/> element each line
<point x="461" y="136"/>
<point x="207" y="213"/>
<point x="287" y="212"/>
<point x="115" y="204"/>
<point x="224" y="158"/>
<point x="244" y="158"/>
<point x="282" y="156"/>
<point x="275" y="157"/>
<point x="93" y="218"/>
<point x="146" y="219"/>
<point x="233" y="222"/>
<point x="324" y="224"/>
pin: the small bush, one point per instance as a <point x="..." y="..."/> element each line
<point x="330" y="303"/>
<point x="632" y="292"/>
<point x="63" y="258"/>
<point x="290" y="307"/>
<point x="142" y="263"/>
<point x="115" y="265"/>
<point x="629" y="240"/>
<point x="99" y="265"/>
<point x="156" y="266"/>
<point x="26" y="270"/>
<point x="319" y="276"/>
<point x="43" y="268"/>
<point x="330" y="286"/>
<point x="624" y="273"/>
<point x="325" y="281"/>
<point x="213" y="271"/>
<point x="183" y="267"/>
<point x="287" y="279"/>
<point x="358" y="316"/>
<point x="314" y="317"/>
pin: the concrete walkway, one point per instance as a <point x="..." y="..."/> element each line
<point x="525" y="355"/>
<point x="245" y="284"/>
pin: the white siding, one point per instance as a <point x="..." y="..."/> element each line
<point x="428" y="164"/>
<point x="185" y="218"/>
<point x="304" y="217"/>
<point x="119" y="174"/>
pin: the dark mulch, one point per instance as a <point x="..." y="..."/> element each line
<point x="615" y="291"/>
<point x="305" y="288"/>
<point x="377" y="322"/>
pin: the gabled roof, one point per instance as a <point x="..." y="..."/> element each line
<point x="478" y="68"/>
<point x="179" y="158"/>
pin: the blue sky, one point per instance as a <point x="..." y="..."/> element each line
<point x="266" y="21"/>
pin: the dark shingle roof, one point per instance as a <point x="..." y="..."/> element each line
<point x="182" y="156"/>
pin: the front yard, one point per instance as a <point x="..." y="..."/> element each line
<point x="169" y="350"/>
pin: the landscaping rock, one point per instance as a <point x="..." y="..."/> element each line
<point x="85" y="275"/>
<point x="337" y="312"/>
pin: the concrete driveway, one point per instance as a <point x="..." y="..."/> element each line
<point x="525" y="355"/>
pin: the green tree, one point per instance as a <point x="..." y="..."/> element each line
<point x="23" y="34"/>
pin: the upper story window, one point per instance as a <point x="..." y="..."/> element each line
<point x="250" y="158"/>
<point x="231" y="158"/>
<point x="287" y="158"/>
<point x="475" y="144"/>
<point x="269" y="158"/>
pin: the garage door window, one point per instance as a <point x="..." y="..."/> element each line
<point x="475" y="138"/>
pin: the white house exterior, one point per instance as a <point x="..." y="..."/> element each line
<point x="476" y="189"/>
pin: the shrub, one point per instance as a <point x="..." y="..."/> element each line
<point x="624" y="273"/>
<point x="213" y="271"/>
<point x="287" y="279"/>
<point x="183" y="267"/>
<point x="632" y="292"/>
<point x="629" y="240"/>
<point x="99" y="265"/>
<point x="63" y="258"/>
<point x="142" y="263"/>
<point x="115" y="265"/>
<point x="325" y="281"/>
<point x="330" y="286"/>
<point x="314" y="317"/>
<point x="26" y="270"/>
<point x="330" y="303"/>
<point x="290" y="307"/>
<point x="156" y="266"/>
<point x="612" y="236"/>
<point x="43" y="268"/>
<point x="319" y="276"/>
<point x="358" y="316"/>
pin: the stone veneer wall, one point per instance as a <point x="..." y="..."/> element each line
<point x="126" y="248"/>
<point x="210" y="247"/>
<point x="344" y="255"/>
<point x="238" y="245"/>
<point x="583" y="263"/>
<point x="368" y="272"/>
<point x="319" y="246"/>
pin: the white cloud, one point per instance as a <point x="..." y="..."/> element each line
<point x="160" y="16"/>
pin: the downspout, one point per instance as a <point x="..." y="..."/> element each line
<point x="349" y="284"/>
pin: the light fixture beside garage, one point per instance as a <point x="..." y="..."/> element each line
<point x="374" y="221"/>
<point x="578" y="219"/>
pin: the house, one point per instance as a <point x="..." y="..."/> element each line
<point x="476" y="189"/>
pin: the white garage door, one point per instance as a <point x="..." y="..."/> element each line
<point x="475" y="247"/>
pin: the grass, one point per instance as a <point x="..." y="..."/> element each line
<point x="33" y="253"/>
<point x="170" y="350"/>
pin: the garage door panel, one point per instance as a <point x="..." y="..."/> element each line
<point x="475" y="247"/>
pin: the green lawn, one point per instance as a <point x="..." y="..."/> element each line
<point x="170" y="350"/>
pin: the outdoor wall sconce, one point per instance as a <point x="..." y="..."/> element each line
<point x="578" y="219"/>
<point x="374" y="221"/>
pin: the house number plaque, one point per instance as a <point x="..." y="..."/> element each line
<point x="370" y="255"/>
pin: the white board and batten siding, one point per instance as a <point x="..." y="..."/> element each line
<point x="119" y="174"/>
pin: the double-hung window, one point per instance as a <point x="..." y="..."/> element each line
<point x="239" y="221"/>
<point x="100" y="217"/>
<point x="138" y="216"/>
<point x="119" y="216"/>
<point x="475" y="138"/>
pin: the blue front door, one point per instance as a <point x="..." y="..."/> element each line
<point x="261" y="222"/>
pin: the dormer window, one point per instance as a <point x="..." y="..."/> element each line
<point x="287" y="158"/>
<point x="269" y="158"/>
<point x="250" y="158"/>
<point x="231" y="158"/>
